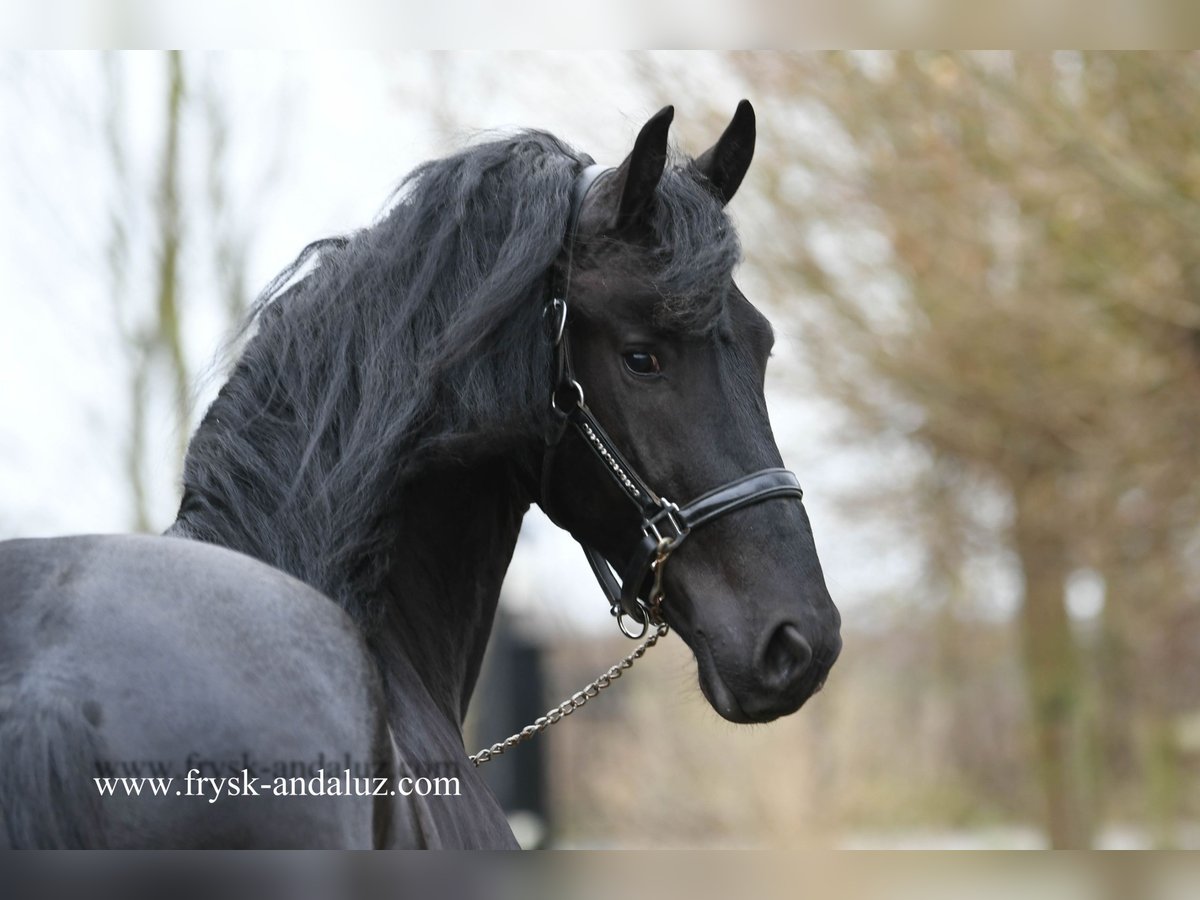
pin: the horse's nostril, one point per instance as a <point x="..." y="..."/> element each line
<point x="787" y="657"/>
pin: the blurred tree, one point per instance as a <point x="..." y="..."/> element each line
<point x="997" y="259"/>
<point x="153" y="343"/>
<point x="180" y="204"/>
<point x="166" y="338"/>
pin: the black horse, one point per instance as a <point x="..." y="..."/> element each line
<point x="353" y="496"/>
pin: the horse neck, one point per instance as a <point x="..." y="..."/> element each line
<point x="454" y="538"/>
<point x="451" y="532"/>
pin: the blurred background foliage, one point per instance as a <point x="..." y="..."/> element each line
<point x="985" y="270"/>
<point x="993" y="258"/>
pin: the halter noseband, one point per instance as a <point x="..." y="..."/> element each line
<point x="664" y="525"/>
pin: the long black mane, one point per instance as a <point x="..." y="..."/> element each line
<point x="412" y="343"/>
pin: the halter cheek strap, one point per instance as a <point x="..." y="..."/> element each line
<point x="637" y="593"/>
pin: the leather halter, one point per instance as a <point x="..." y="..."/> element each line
<point x="664" y="525"/>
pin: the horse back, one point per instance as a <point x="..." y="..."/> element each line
<point x="137" y="656"/>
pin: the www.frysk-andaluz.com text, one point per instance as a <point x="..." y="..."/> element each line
<point x="244" y="784"/>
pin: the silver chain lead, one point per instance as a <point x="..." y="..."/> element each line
<point x="574" y="702"/>
<point x="578" y="700"/>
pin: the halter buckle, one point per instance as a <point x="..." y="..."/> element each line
<point x="661" y="525"/>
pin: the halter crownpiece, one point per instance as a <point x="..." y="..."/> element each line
<point x="637" y="594"/>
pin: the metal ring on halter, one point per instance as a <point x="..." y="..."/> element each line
<point x="554" y="397"/>
<point x="622" y="615"/>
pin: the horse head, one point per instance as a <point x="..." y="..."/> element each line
<point x="662" y="370"/>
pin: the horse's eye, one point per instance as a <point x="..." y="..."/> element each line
<point x="641" y="363"/>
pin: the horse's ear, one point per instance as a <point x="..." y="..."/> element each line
<point x="724" y="164"/>
<point x="639" y="174"/>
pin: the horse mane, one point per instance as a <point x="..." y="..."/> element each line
<point x="414" y="342"/>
